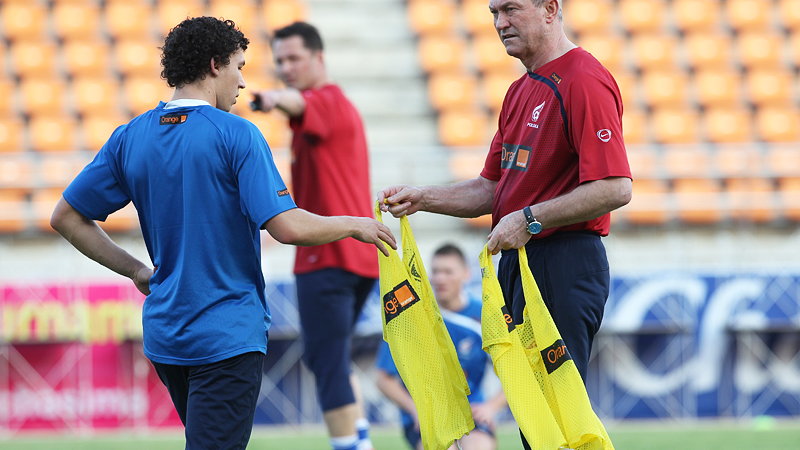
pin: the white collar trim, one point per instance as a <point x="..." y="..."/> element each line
<point x="184" y="102"/>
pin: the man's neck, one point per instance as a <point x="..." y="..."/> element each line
<point x="198" y="91"/>
<point x="454" y="304"/>
<point x="558" y="48"/>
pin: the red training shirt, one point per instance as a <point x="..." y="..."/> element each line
<point x="559" y="126"/>
<point x="330" y="177"/>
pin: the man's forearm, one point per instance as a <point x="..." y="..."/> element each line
<point x="470" y="198"/>
<point x="586" y="202"/>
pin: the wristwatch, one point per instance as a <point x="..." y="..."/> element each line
<point x="534" y="226"/>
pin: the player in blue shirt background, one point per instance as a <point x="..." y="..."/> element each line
<point x="204" y="184"/>
<point x="462" y="317"/>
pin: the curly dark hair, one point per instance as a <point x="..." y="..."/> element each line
<point x="192" y="43"/>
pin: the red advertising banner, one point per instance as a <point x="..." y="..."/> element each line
<point x="71" y="359"/>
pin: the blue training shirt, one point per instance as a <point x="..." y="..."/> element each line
<point x="203" y="181"/>
<point x="464" y="328"/>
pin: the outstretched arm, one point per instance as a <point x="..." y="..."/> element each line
<point x="288" y="100"/>
<point x="85" y="235"/>
<point x="470" y="198"/>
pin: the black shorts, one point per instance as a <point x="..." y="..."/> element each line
<point x="216" y="402"/>
<point x="329" y="302"/>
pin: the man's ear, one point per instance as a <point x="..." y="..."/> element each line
<point x="214" y="67"/>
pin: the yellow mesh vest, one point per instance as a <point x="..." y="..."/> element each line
<point x="421" y="347"/>
<point x="554" y="371"/>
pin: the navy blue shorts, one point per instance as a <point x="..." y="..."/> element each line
<point x="329" y="302"/>
<point x="571" y="270"/>
<point x="216" y="402"/>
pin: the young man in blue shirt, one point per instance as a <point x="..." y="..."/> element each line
<point x="462" y="317"/>
<point x="203" y="183"/>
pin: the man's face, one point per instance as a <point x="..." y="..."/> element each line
<point x="448" y="278"/>
<point x="520" y="26"/>
<point x="229" y="81"/>
<point x="298" y="66"/>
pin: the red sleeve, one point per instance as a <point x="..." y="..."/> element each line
<point x="595" y="119"/>
<point x="315" y="120"/>
<point x="491" y="167"/>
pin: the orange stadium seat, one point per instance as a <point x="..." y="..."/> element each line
<point x="665" y="88"/>
<point x="452" y="90"/>
<point x="244" y="14"/>
<point x="770" y="87"/>
<point x="172" y="12"/>
<point x="33" y="58"/>
<point x="639" y="16"/>
<point x="738" y="162"/>
<point x="12" y="135"/>
<point x="274" y="127"/>
<point x="16" y="173"/>
<point x="743" y="15"/>
<point x="477" y="18"/>
<point x="698" y="200"/>
<point x="674" y="125"/>
<point x="121" y="221"/>
<point x="97" y="127"/>
<point x="7" y="91"/>
<point x="463" y="128"/>
<point x="76" y="19"/>
<point x="143" y="93"/>
<point x="54" y="133"/>
<point x="752" y="199"/>
<point x="654" y="51"/>
<point x="13" y="212"/>
<point x="258" y="59"/>
<point x="591" y="16"/>
<point x="725" y="124"/>
<point x="608" y="48"/>
<point x="634" y="126"/>
<point x="23" y="20"/>
<point x="86" y="57"/>
<point x="432" y="16"/>
<point x="628" y="84"/>
<point x="783" y="161"/>
<point x="794" y="47"/>
<point x="686" y="162"/>
<point x="789" y="195"/>
<point x="494" y="87"/>
<point x="466" y="165"/>
<point x="127" y="19"/>
<point x="43" y="202"/>
<point x="644" y="162"/>
<point x="650" y="203"/>
<point x="761" y="50"/>
<point x="778" y="124"/>
<point x="279" y="13"/>
<point x="491" y="56"/>
<point x="717" y="87"/>
<point x="708" y="49"/>
<point x="43" y="95"/>
<point x="789" y="14"/>
<point x="442" y="52"/>
<point x="92" y="95"/>
<point x="57" y="170"/>
<point x="137" y="57"/>
<point x="696" y="15"/>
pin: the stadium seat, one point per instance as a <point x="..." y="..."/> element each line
<point x="783" y="161"/>
<point x="122" y="221"/>
<point x="33" y="58"/>
<point x="258" y="60"/>
<point x="8" y="105"/>
<point x="463" y="129"/>
<point x="43" y="201"/>
<point x="127" y="19"/>
<point x="23" y="20"/>
<point x="97" y="127"/>
<point x="57" y="170"/>
<point x="696" y="15"/>
<point x="143" y="93"/>
<point x="441" y="52"/>
<point x="607" y="47"/>
<point x="789" y="198"/>
<point x="760" y="50"/>
<point x="16" y="173"/>
<point x="134" y="57"/>
<point x="170" y="13"/>
<point x="466" y="165"/>
<point x="708" y="49"/>
<point x="778" y="124"/>
<point x="589" y="16"/>
<point x="665" y="88"/>
<point x="654" y="51"/>
<point x="452" y="90"/>
<point x="770" y="87"/>
<point x="638" y="16"/>
<point x="634" y="126"/>
<point x="491" y="56"/>
<point x="494" y="87"/>
<point x="686" y="162"/>
<point x="12" y="135"/>
<point x="649" y="205"/>
<point x="752" y="199"/>
<point x="628" y="84"/>
<point x="243" y="13"/>
<point x="674" y="125"/>
<point x="84" y="57"/>
<point x="789" y="14"/>
<point x="794" y="47"/>
<point x="746" y="15"/>
<point x="725" y="124"/>
<point x="738" y="162"/>
<point x="698" y="201"/>
<point x="274" y="127"/>
<point x="54" y="133"/>
<point x="43" y="95"/>
<point x="644" y="162"/>
<point x="717" y="87"/>
<point x="278" y="13"/>
<point x="432" y="16"/>
<point x="13" y="212"/>
<point x="76" y="19"/>
<point x="478" y="20"/>
<point x="95" y="95"/>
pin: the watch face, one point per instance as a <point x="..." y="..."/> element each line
<point x="534" y="227"/>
